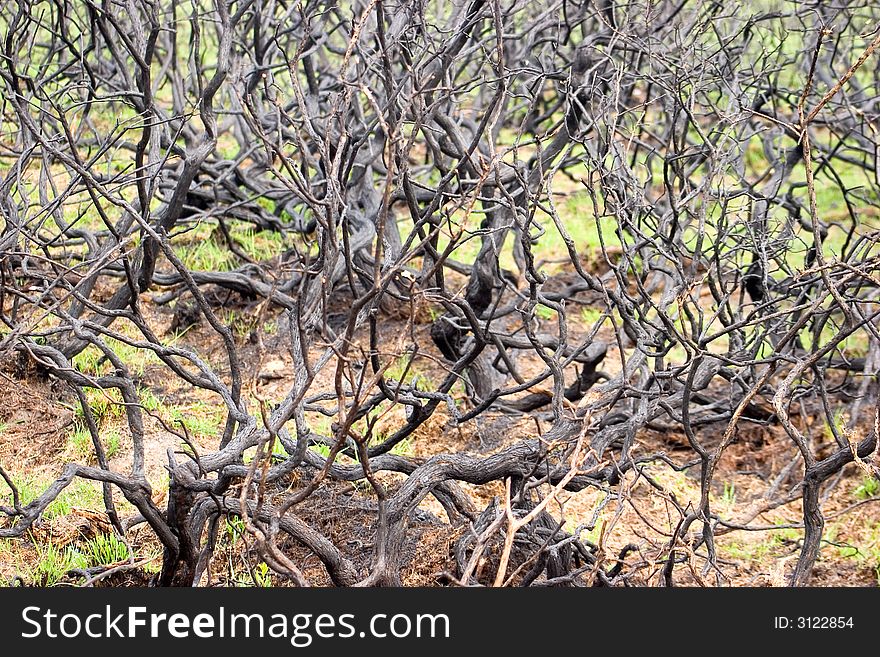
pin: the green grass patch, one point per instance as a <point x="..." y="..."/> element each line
<point x="55" y="562"/>
<point x="80" y="493"/>
<point x="869" y="488"/>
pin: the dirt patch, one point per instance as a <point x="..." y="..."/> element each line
<point x="34" y="416"/>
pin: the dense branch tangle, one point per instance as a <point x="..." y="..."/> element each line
<point x="392" y="159"/>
